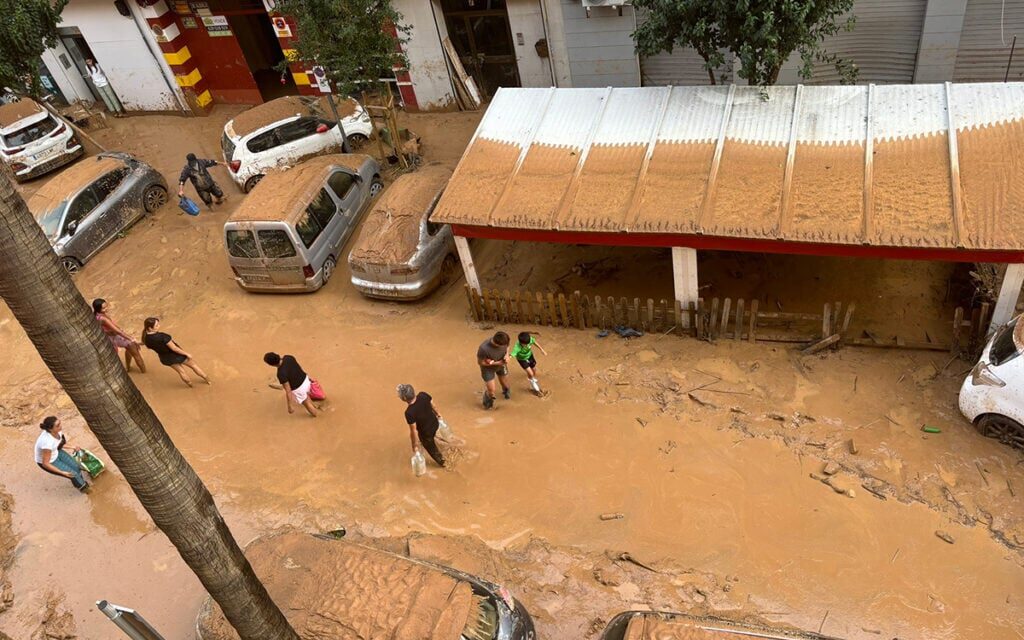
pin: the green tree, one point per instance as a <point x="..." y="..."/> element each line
<point x="761" y="34"/>
<point x="353" y="40"/>
<point x="27" y="28"/>
<point x="59" y="323"/>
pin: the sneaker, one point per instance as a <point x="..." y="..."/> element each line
<point x="507" y="393"/>
<point x="488" y="400"/>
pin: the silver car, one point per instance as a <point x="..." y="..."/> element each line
<point x="400" y="254"/>
<point x="85" y="207"/>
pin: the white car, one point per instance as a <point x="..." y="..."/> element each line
<point x="283" y="132"/>
<point x="992" y="396"/>
<point x="33" y="141"/>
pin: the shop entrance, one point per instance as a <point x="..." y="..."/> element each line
<point x="263" y="53"/>
<point x="480" y="32"/>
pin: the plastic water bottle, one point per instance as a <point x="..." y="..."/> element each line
<point x="444" y="431"/>
<point x="419" y="464"/>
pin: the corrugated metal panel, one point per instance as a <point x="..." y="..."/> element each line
<point x="832" y="114"/>
<point x="512" y="116"/>
<point x="989" y="27"/>
<point x="905" y="111"/>
<point x="627" y="118"/>
<point x="694" y="114"/>
<point x="754" y="119"/>
<point x="978" y="105"/>
<point x="570" y="117"/>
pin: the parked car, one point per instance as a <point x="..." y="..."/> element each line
<point x="992" y="396"/>
<point x="286" y="131"/>
<point x="288" y="233"/>
<point x="657" y="625"/>
<point x="334" y="588"/>
<point x="33" y="141"/>
<point x="85" y="207"/>
<point x="400" y="254"/>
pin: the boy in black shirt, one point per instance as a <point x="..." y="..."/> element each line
<point x="296" y="383"/>
<point x="423" y="419"/>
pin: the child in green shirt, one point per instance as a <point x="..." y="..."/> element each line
<point x="522" y="351"/>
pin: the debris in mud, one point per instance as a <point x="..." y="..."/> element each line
<point x="7" y="545"/>
<point x="830" y="469"/>
<point x="612" y="516"/>
<point x="945" y="536"/>
<point x="56" y="623"/>
<point x="775" y="416"/>
<point x="625" y="556"/>
<point x="669" y="446"/>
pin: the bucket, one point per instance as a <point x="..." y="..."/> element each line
<point x="188" y="206"/>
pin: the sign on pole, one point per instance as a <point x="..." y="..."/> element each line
<point x="322" y="82"/>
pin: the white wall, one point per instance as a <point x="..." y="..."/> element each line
<point x="427" y="65"/>
<point x="119" y="48"/>
<point x="527" y="23"/>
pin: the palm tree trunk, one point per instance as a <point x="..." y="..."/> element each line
<point x="60" y="325"/>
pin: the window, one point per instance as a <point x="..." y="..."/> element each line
<point x="308" y="228"/>
<point x="31" y="133"/>
<point x="227" y="145"/>
<point x="109" y="182"/>
<point x="276" y="244"/>
<point x="263" y="142"/>
<point x="242" y="244"/>
<point x="1003" y="347"/>
<point x="322" y="208"/>
<point x="82" y="205"/>
<point x="341" y="183"/>
<point x="297" y="129"/>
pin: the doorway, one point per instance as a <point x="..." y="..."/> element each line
<point x="480" y="32"/>
<point x="262" y="50"/>
<point x="79" y="51"/>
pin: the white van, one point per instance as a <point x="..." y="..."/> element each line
<point x="33" y="141"/>
<point x="992" y="396"/>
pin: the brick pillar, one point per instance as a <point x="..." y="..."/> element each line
<point x="298" y="70"/>
<point x="167" y="31"/>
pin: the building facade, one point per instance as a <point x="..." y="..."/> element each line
<point x="171" y="55"/>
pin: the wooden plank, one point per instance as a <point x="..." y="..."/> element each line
<point x="667" y="317"/>
<point x="787" y="315"/>
<point x="713" y="319"/>
<point x="460" y="73"/>
<point x="613" y="312"/>
<point x="786" y="337"/>
<point x="900" y="344"/>
<point x="506" y="306"/>
<point x="958" y="322"/>
<point x="575" y="304"/>
<point x="753" y="320"/>
<point x="837" y="310"/>
<point x="566" y="320"/>
<point x="469" y="299"/>
<point x="821" y="344"/>
<point x="826" y="321"/>
<point x="541" y="313"/>
<point x="725" y="317"/>
<point x="487" y="305"/>
<point x="650" y="314"/>
<point x="738" y="329"/>
<point x="634" y="314"/>
<point x="699" y="319"/>
<point x="847" y="318"/>
<point x="552" y="308"/>
<point x="677" y="316"/>
<point x="983" y="320"/>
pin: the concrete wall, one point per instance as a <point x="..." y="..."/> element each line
<point x="600" y="48"/>
<point x="940" y="40"/>
<point x="527" y="26"/>
<point x="120" y="50"/>
<point x="557" y="47"/>
<point x="427" y="65"/>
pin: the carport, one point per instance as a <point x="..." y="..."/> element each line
<point x="924" y="172"/>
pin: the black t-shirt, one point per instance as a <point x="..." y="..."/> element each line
<point x="157" y="341"/>
<point x="421" y="413"/>
<point x="289" y="371"/>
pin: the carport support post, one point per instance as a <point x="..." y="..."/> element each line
<point x="684" y="273"/>
<point x="1006" y="304"/>
<point x="466" y="258"/>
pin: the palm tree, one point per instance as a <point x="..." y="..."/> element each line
<point x="58" y="322"/>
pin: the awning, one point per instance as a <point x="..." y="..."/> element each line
<point x="829" y="170"/>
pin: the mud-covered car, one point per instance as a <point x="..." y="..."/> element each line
<point x="87" y="206"/>
<point x="992" y="395"/>
<point x="33" y="141"/>
<point x="284" y="132"/>
<point x="334" y="588"/>
<point x="658" y="625"/>
<point x="400" y="254"/>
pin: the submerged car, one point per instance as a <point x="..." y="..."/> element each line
<point x="992" y="395"/>
<point x="33" y="141"/>
<point x="283" y="132"/>
<point x="334" y="588"/>
<point x="400" y="254"/>
<point x="87" y="206"/>
<point x="288" y="233"/>
<point x="656" y="625"/>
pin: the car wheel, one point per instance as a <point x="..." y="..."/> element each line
<point x="357" y="140"/>
<point x="449" y="270"/>
<point x="376" y="186"/>
<point x="252" y="182"/>
<point x="329" y="266"/>
<point x="1003" y="429"/>
<point x="70" y="265"/>
<point x="154" y="197"/>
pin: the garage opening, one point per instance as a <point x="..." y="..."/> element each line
<point x="262" y="50"/>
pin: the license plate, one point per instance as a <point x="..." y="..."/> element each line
<point x="42" y="155"/>
<point x="251" y="277"/>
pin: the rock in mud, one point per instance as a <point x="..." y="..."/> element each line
<point x="831" y="468"/>
<point x="945" y="536"/>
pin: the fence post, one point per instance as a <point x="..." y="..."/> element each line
<point x="826" y="321"/>
<point x="713" y="319"/>
<point x="753" y="320"/>
<point x="564" y="311"/>
<point x="958" y="326"/>
<point x="576" y="309"/>
<point x="725" y="317"/>
<point x="738" y="332"/>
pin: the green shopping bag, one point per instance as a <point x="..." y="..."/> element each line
<point x="89" y="462"/>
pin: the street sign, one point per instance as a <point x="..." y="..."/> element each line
<point x="322" y="82"/>
<point x="281" y="28"/>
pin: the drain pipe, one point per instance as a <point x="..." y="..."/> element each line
<point x="158" y="57"/>
<point x="127" y="620"/>
<point x="547" y="39"/>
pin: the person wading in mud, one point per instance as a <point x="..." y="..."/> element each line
<point x="118" y="338"/>
<point x="492" y="356"/>
<point x="298" y="387"/>
<point x="197" y="170"/>
<point x="423" y="419"/>
<point x="52" y="458"/>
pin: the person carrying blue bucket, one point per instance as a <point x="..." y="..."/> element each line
<point x="197" y="171"/>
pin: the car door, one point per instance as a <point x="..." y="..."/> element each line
<point x="346" y="189"/>
<point x="118" y="207"/>
<point x="78" y="242"/>
<point x="300" y="140"/>
<point x="320" y="228"/>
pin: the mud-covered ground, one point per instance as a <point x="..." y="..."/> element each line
<point x="730" y="463"/>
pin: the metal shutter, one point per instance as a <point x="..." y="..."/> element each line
<point x="682" y="67"/>
<point x="983" y="56"/>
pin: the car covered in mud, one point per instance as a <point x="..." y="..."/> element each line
<point x="283" y="132"/>
<point x="334" y="588"/>
<point x="89" y="205"/>
<point x="992" y="395"/>
<point x="656" y="625"/>
<point x="33" y="141"/>
<point x="400" y="254"/>
<point x="287" y="234"/>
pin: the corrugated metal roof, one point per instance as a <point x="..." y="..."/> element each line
<point x="736" y="180"/>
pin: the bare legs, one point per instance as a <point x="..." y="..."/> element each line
<point x="133" y="353"/>
<point x="180" y="370"/>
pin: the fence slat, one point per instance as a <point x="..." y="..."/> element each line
<point x="753" y="320"/>
<point x="554" y="309"/>
<point x="725" y="318"/>
<point x="541" y="313"/>
<point x="613" y="311"/>
<point x="576" y="309"/>
<point x="973" y="331"/>
<point x="958" y="321"/>
<point x="738" y="331"/>
<point x="564" y="311"/>
<point x="826" y="321"/>
<point x="983" y="322"/>
<point x="849" y="316"/>
<point x="666" y="316"/>
<point x="506" y="306"/>
<point x="713" y="318"/>
<point x="469" y="299"/>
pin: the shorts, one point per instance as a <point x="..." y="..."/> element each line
<point x="205" y="194"/>
<point x="528" y="364"/>
<point x="302" y="392"/>
<point x="119" y="342"/>
<point x="488" y="373"/>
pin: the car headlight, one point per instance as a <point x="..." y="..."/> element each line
<point x="982" y="374"/>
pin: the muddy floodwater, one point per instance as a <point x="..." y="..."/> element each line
<point x="730" y="463"/>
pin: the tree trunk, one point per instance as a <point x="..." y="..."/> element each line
<point x="61" y="326"/>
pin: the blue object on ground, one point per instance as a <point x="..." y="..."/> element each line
<point x="188" y="206"/>
<point x="627" y="332"/>
<point x="602" y="334"/>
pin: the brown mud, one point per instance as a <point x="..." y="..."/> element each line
<point x="14" y="111"/>
<point x="674" y="189"/>
<point x="487" y="166"/>
<point x="748" y="190"/>
<point x="538" y="189"/>
<point x="991" y="161"/>
<point x="605" y="189"/>
<point x="911" y="192"/>
<point x="827" y="193"/>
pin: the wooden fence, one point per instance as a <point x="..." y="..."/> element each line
<point x="717" y="319"/>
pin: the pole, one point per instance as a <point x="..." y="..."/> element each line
<point x="127" y="620"/>
<point x="345" y="147"/>
<point x="1013" y="45"/>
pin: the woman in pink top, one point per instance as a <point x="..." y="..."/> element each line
<point x="118" y="338"/>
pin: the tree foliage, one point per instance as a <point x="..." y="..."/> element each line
<point x="354" y="40"/>
<point x="760" y="34"/>
<point x="27" y="28"/>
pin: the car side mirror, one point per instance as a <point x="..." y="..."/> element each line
<point x="72" y="227"/>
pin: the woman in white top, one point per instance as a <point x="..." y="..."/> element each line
<point x="51" y="456"/>
<point x="99" y="80"/>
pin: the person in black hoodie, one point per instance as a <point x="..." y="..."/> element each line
<point x="197" y="171"/>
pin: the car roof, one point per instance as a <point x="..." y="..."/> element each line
<point x="70" y="181"/>
<point x="339" y="589"/>
<point x="274" y="111"/>
<point x="13" y="114"/>
<point x="391" y="231"/>
<point x="282" y="195"/>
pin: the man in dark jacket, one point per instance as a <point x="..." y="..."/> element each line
<point x="197" y="171"/>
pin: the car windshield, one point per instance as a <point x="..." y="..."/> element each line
<point x="483" y="620"/>
<point x="50" y="221"/>
<point x="31" y="133"/>
<point x="228" y="147"/>
<point x="1003" y="347"/>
